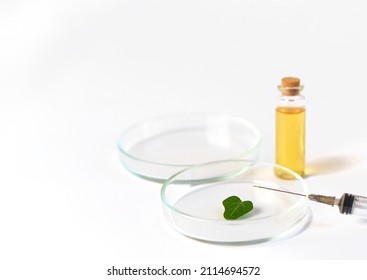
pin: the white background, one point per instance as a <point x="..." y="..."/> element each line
<point x="75" y="74"/>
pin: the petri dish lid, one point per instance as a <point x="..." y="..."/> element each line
<point x="196" y="210"/>
<point x="159" y="147"/>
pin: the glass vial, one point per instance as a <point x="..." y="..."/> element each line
<point x="290" y="127"/>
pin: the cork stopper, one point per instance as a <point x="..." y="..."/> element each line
<point x="290" y="86"/>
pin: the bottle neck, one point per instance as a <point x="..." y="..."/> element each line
<point x="291" y="101"/>
<point x="291" y="97"/>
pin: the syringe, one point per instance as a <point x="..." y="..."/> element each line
<point x="348" y="203"/>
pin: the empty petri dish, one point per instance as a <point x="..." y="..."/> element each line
<point x="157" y="148"/>
<point x="196" y="210"/>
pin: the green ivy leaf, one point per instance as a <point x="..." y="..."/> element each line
<point x="234" y="207"/>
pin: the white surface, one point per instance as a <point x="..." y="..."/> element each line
<point x="74" y="74"/>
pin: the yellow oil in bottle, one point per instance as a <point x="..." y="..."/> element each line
<point x="290" y="140"/>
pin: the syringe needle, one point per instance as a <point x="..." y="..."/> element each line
<point x="331" y="200"/>
<point x="277" y="190"/>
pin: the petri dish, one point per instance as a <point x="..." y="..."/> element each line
<point x="196" y="210"/>
<point x="157" y="148"/>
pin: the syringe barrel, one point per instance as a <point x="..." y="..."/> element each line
<point x="359" y="207"/>
<point x="351" y="204"/>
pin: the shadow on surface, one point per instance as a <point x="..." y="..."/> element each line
<point x="331" y="164"/>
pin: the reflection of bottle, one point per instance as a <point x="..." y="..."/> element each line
<point x="290" y="127"/>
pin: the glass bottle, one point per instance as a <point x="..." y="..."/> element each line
<point x="290" y="127"/>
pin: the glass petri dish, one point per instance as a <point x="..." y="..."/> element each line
<point x="196" y="210"/>
<point x="157" y="148"/>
